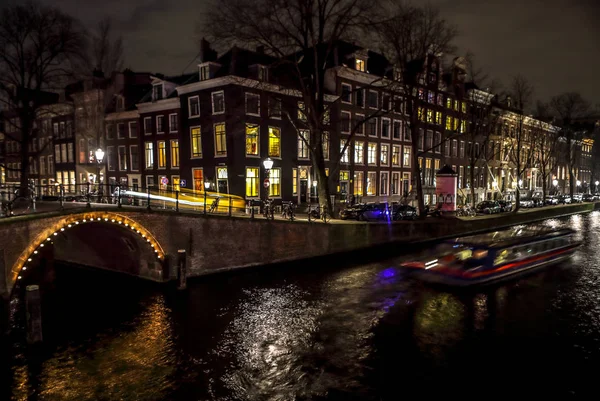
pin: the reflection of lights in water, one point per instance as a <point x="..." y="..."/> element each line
<point x="388" y="273"/>
<point x="480" y="311"/>
<point x="438" y="323"/>
<point x="140" y="359"/>
<point x="576" y="222"/>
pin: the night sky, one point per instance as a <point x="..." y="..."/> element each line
<point x="554" y="43"/>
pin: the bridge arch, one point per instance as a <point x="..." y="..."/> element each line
<point x="32" y="252"/>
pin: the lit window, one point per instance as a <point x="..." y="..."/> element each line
<point x="360" y="65"/>
<point x="252" y="181"/>
<point x="359" y="152"/>
<point x="251" y="140"/>
<point x="220" y="140"/>
<point x="449" y="123"/>
<point x="396" y="155"/>
<point x="274" y="142"/>
<point x="344" y="152"/>
<point x="149" y="153"/>
<point x="196" y="140"/>
<point x="448" y="103"/>
<point x="438" y="117"/>
<point x="162" y="154"/>
<point x="463" y="126"/>
<point x="294" y="181"/>
<point x="325" y="144"/>
<point x="463" y="107"/>
<point x="406" y="157"/>
<point x="371" y="183"/>
<point x="430" y="116"/>
<point x="358" y="182"/>
<point x="275" y="182"/>
<point x="301" y="111"/>
<point x="303" y="141"/>
<point x="175" y="153"/>
<point x="372" y="154"/>
<point x="383" y="183"/>
<point x="384" y="154"/>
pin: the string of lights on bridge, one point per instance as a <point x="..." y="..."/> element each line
<point x="75" y="221"/>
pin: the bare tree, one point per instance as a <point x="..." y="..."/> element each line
<point x="106" y="48"/>
<point x="301" y="36"/>
<point x="482" y="125"/>
<point x="38" y="47"/>
<point x="568" y="107"/>
<point x="407" y="38"/>
<point x="545" y="138"/>
<point x="517" y="135"/>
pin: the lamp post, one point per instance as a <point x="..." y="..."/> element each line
<point x="578" y="184"/>
<point x="268" y="165"/>
<point x="555" y="185"/>
<point x="99" y="158"/>
<point x="597" y="182"/>
<point x="206" y="186"/>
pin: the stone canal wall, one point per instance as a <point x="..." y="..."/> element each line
<point x="221" y="243"/>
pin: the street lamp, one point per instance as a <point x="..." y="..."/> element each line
<point x="268" y="165"/>
<point x="578" y="184"/>
<point x="206" y="187"/>
<point x="597" y="182"/>
<point x="555" y="183"/>
<point x="99" y="158"/>
<point x="520" y="183"/>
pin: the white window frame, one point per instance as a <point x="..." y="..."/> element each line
<point x="147" y="177"/>
<point x="376" y="153"/>
<point x="303" y="144"/>
<point x="147" y="119"/>
<point x="108" y="152"/>
<point x="191" y="143"/>
<point x="399" y="164"/>
<point x="248" y="95"/>
<point x="215" y="139"/>
<point x="390" y="128"/>
<point x="129" y="127"/>
<point x="399" y="188"/>
<point x="131" y="157"/>
<point x="366" y="189"/>
<point x="153" y="165"/>
<point x="342" y="94"/>
<point x="171" y="130"/>
<point x="387" y="163"/>
<point x="212" y="101"/>
<point x="119" y="156"/>
<point x="158" y="155"/>
<point x="190" y="106"/>
<point x="387" y="186"/>
<point x="158" y="126"/>
<point x="349" y="122"/>
<point x="171" y="154"/>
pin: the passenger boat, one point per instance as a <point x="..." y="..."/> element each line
<point x="481" y="259"/>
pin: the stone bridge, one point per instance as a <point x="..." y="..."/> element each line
<point x="145" y="243"/>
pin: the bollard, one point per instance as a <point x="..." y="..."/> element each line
<point x="176" y="201"/>
<point x="148" y="206"/>
<point x="230" y="205"/>
<point x="89" y="196"/>
<point x="33" y="303"/>
<point x="61" y="190"/>
<point x="181" y="270"/>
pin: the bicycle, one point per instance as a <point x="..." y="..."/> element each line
<point x="287" y="210"/>
<point x="213" y="207"/>
<point x="268" y="209"/>
<point x="319" y="214"/>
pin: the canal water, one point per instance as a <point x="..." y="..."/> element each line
<point x="336" y="332"/>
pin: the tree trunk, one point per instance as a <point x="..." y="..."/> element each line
<point x="472" y="179"/>
<point x="416" y="170"/>
<point x="544" y="189"/>
<point x="322" y="180"/>
<point x="517" y="200"/>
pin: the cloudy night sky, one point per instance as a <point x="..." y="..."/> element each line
<point x="553" y="42"/>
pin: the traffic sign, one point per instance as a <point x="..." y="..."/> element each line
<point x="266" y="183"/>
<point x="164" y="180"/>
<point x="182" y="183"/>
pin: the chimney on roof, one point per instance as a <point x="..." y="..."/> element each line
<point x="508" y="101"/>
<point x="260" y="49"/>
<point x="206" y="52"/>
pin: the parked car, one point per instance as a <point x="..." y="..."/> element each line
<point x="564" y="199"/>
<point x="374" y="211"/>
<point x="352" y="212"/>
<point x="552" y="200"/>
<point x="589" y="198"/>
<point x="526" y="203"/>
<point x="404" y="212"/>
<point x="577" y="198"/>
<point x="505" y="206"/>
<point x="488" y="207"/>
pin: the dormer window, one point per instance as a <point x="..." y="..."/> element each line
<point x="157" y="92"/>
<point x="204" y="72"/>
<point x="360" y="65"/>
<point x="263" y="73"/>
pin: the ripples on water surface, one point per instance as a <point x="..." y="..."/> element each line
<point x="337" y="333"/>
